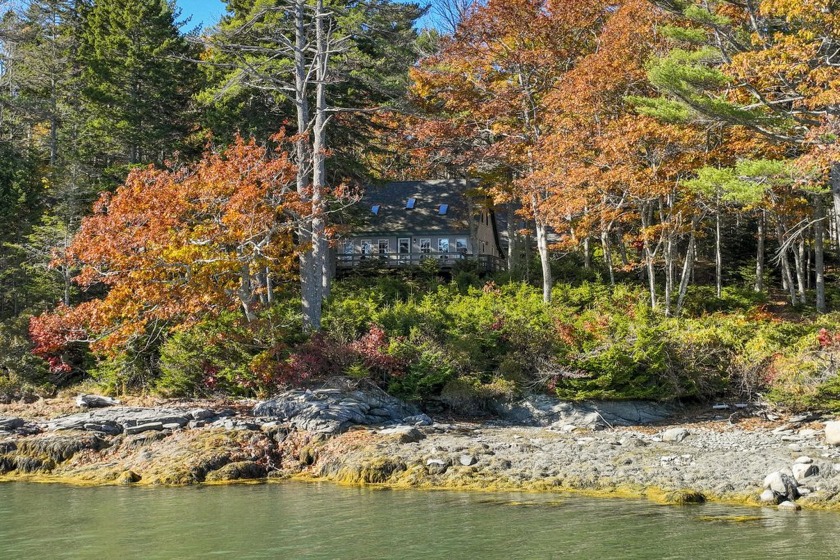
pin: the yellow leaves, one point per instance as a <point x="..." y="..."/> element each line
<point x="809" y="10"/>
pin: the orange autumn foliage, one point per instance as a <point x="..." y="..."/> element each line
<point x="173" y="246"/>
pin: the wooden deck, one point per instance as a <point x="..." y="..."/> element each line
<point x="445" y="261"/>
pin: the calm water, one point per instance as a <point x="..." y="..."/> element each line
<point x="323" y="521"/>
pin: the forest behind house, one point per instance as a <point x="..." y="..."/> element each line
<point x="170" y="197"/>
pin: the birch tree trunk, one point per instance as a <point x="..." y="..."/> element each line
<point x="819" y="260"/>
<point x="759" y="256"/>
<point x="688" y="266"/>
<point x="542" y="248"/>
<point x="718" y="254"/>
<point x="650" y="255"/>
<point x="799" y="264"/>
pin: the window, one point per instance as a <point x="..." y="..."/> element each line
<point x="383" y="246"/>
<point x="404" y="245"/>
<point x="443" y="245"/>
<point x="410" y="204"/>
<point x="367" y="247"/>
<point x="461" y="245"/>
<point x="442" y="209"/>
<point x="425" y="245"/>
<point x="348" y="248"/>
<point x="483" y="247"/>
<point x="375" y="209"/>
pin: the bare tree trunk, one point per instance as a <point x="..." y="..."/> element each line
<point x="605" y="244"/>
<point x="269" y="287"/>
<point x="513" y="245"/>
<point x="799" y="264"/>
<point x="835" y="197"/>
<point x="310" y="284"/>
<point x="670" y="250"/>
<point x="759" y="256"/>
<point x="718" y="255"/>
<point x="320" y="245"/>
<point x="807" y="265"/>
<point x="542" y="247"/>
<point x="650" y="255"/>
<point x="787" y="278"/>
<point x="669" y="272"/>
<point x="587" y="253"/>
<point x="688" y="266"/>
<point x="819" y="264"/>
<point x="246" y="293"/>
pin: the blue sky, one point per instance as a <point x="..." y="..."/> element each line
<point x="205" y="12"/>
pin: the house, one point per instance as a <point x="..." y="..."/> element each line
<point x="403" y="223"/>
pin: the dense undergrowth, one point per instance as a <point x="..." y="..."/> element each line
<point x="466" y="344"/>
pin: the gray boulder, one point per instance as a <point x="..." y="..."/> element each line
<point x="782" y="485"/>
<point x="468" y="460"/>
<point x="768" y="497"/>
<point x="832" y="433"/>
<point x="545" y="410"/>
<point x="418" y="420"/>
<point x="95" y="401"/>
<point x="109" y="420"/>
<point x="140" y="428"/>
<point x="675" y="435"/>
<point x="802" y="471"/>
<point x="10" y="423"/>
<point x="404" y="434"/>
<point x="436" y="466"/>
<point x="789" y="506"/>
<point x="336" y="410"/>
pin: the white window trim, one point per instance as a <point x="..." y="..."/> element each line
<point x="464" y="248"/>
<point x="427" y="240"/>
<point x="407" y="245"/>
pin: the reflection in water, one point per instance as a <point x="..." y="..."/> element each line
<point x="323" y="521"/>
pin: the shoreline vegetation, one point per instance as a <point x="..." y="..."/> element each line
<point x="669" y="193"/>
<point x="696" y="455"/>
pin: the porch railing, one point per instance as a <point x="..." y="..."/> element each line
<point x="486" y="263"/>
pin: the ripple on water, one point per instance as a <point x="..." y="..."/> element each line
<point x="319" y="521"/>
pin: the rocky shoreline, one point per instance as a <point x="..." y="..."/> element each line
<point x="353" y="436"/>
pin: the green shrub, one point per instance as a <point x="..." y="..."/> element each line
<point x="468" y="395"/>
<point x="21" y="372"/>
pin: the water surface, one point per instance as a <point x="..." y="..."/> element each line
<point x="295" y="520"/>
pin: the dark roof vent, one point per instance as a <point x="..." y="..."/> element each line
<point x="410" y="204"/>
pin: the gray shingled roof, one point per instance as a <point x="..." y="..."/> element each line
<point x="424" y="218"/>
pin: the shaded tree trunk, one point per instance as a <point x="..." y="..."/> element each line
<point x="819" y="261"/>
<point x="787" y="278"/>
<point x="759" y="257"/>
<point x="545" y="263"/>
<point x="718" y="254"/>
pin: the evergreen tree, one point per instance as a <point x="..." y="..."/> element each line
<point x="136" y="82"/>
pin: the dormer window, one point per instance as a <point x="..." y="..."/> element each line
<point x="375" y="209"/>
<point x="442" y="209"/>
<point x="410" y="204"/>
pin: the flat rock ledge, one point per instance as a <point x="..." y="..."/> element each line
<point x="330" y="411"/>
<point x="367" y="437"/>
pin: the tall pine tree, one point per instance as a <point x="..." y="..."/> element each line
<point x="136" y="82"/>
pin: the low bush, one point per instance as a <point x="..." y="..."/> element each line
<point x="21" y="372"/>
